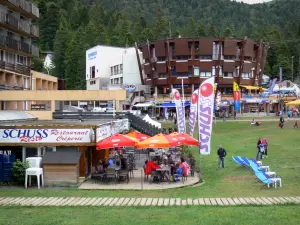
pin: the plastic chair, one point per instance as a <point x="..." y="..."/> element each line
<point x="34" y="170"/>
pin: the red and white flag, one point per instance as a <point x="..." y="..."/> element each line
<point x="180" y="111"/>
<point x="193" y="111"/>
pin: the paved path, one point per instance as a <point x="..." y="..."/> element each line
<point x="79" y="201"/>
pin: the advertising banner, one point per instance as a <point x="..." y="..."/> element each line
<point x="236" y="96"/>
<point x="46" y="135"/>
<point x="205" y="115"/>
<point x="193" y="111"/>
<point x="180" y="111"/>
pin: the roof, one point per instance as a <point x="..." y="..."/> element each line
<point x="171" y="105"/>
<point x="61" y="158"/>
<point x="15" y="115"/>
<point x="68" y="123"/>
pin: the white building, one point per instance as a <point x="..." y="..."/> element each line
<point x="109" y="67"/>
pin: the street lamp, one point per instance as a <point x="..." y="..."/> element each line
<point x="292" y="68"/>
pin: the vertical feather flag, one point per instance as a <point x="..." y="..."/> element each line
<point x="236" y="96"/>
<point x="180" y="111"/>
<point x="205" y="114"/>
<point x="193" y="111"/>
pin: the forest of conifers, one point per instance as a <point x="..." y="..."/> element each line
<point x="69" y="27"/>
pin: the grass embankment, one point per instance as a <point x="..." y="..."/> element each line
<point x="233" y="181"/>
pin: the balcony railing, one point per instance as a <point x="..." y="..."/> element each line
<point x="27" y="6"/>
<point x="34" y="30"/>
<point x="19" y="24"/>
<point x="35" y="51"/>
<point x="17" y="68"/>
<point x="18" y="45"/>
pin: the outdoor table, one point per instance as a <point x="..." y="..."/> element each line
<point x="117" y="168"/>
<point x="165" y="171"/>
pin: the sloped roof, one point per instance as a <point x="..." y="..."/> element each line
<point x="14" y="115"/>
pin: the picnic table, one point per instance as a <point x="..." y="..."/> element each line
<point x="165" y="172"/>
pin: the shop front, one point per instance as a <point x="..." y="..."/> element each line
<point x="31" y="141"/>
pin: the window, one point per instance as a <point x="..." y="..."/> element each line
<point x="162" y="75"/>
<point x="1" y="55"/>
<point x="182" y="58"/>
<point x="116" y="81"/>
<point x="121" y="80"/>
<point x="111" y="81"/>
<point x="252" y="74"/>
<point x="92" y="82"/>
<point x="10" y="57"/>
<point x="92" y="72"/>
<point x="245" y="75"/>
<point x="205" y="57"/>
<point x="214" y="71"/>
<point x="226" y="74"/>
<point x="111" y="70"/>
<point x="121" y="68"/>
<point x="116" y="70"/>
<point x="196" y="71"/>
<point x="197" y="45"/>
<point x="21" y="60"/>
<point x="230" y="57"/>
<point x="205" y="74"/>
<point x="161" y="59"/>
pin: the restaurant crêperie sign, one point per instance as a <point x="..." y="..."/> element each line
<point x="45" y="135"/>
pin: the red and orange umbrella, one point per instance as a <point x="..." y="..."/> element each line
<point x="117" y="140"/>
<point x="159" y="141"/>
<point x="138" y="135"/>
<point x="185" y="138"/>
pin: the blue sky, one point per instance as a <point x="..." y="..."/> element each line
<point x="253" y="1"/>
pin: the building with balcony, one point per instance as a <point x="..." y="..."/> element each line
<point x="167" y="62"/>
<point x="18" y="29"/>
<point x="36" y="81"/>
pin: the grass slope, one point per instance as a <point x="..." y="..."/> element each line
<point x="238" y="138"/>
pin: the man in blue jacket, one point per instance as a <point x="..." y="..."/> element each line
<point x="221" y="153"/>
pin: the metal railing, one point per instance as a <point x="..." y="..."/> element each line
<point x="19" y="45"/>
<point x="18" y="68"/>
<point x="19" y="24"/>
<point x="35" y="30"/>
<point x="88" y="115"/>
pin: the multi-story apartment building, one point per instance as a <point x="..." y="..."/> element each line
<point x="167" y="62"/>
<point x="18" y="19"/>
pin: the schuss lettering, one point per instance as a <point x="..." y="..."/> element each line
<point x="30" y="133"/>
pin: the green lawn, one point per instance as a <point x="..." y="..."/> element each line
<point x="238" y="138"/>
<point x="155" y="215"/>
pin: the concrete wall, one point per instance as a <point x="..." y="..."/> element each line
<point x="63" y="95"/>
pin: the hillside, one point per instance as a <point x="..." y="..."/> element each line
<point x="69" y="27"/>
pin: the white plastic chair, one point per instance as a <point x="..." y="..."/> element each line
<point x="34" y="170"/>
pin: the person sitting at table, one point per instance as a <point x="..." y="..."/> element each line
<point x="123" y="162"/>
<point x="171" y="163"/>
<point x="151" y="166"/>
<point x="100" y="167"/>
<point x="110" y="162"/>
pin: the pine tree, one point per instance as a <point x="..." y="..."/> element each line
<point x="59" y="52"/>
<point x="212" y="32"/>
<point x="201" y="30"/>
<point x="228" y="32"/>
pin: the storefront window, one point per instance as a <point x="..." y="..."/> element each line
<point x="31" y="152"/>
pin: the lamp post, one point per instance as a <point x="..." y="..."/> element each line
<point x="292" y="68"/>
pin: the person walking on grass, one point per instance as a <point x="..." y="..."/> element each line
<point x="221" y="153"/>
<point x="259" y="153"/>
<point x="281" y="122"/>
<point x="296" y="124"/>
